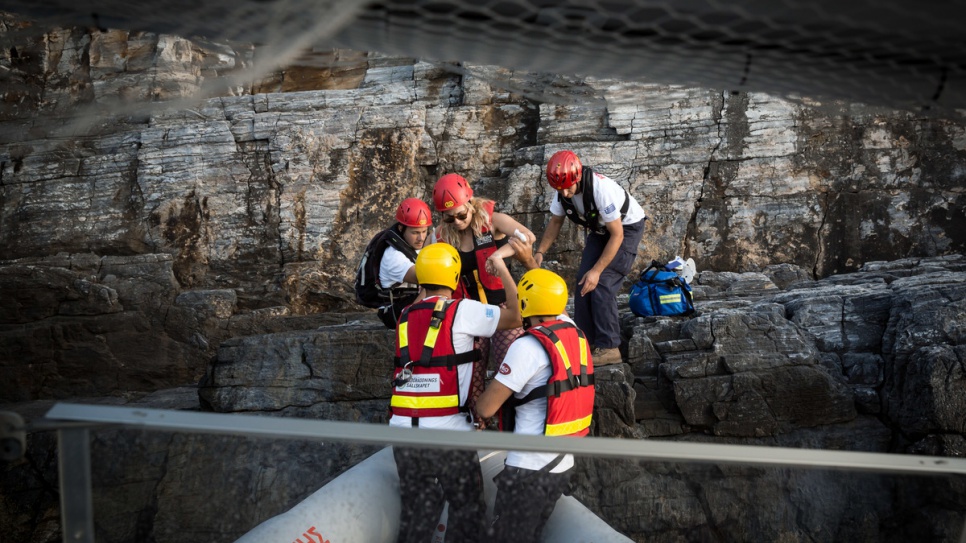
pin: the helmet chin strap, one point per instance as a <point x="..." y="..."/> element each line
<point x="528" y="323"/>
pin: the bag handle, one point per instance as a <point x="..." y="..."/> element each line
<point x="653" y="266"/>
<point x="675" y="281"/>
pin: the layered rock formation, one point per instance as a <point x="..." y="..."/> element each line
<point x="152" y="248"/>
<point x="272" y="193"/>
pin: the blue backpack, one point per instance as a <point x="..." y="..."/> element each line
<point x="661" y="292"/>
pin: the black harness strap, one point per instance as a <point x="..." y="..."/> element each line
<point x="556" y="388"/>
<point x="448" y="360"/>
<point x="400" y="244"/>
<point x="397" y="242"/>
<point x="553" y="463"/>
<point x="426" y="358"/>
<point x="591" y="217"/>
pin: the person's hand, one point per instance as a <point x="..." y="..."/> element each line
<point x="478" y="421"/>
<point x="589" y="281"/>
<point x="523" y="252"/>
<point x="493" y="262"/>
<point x="495" y="265"/>
<point x="538" y="259"/>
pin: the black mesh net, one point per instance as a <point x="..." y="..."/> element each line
<point x="889" y="53"/>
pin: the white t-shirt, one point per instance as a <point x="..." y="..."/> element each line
<point x="393" y="268"/>
<point x="609" y="197"/>
<point x="526" y="367"/>
<point x="472" y="320"/>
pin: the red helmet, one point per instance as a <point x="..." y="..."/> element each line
<point x="414" y="212"/>
<point x="451" y="191"/>
<point x="563" y="170"/>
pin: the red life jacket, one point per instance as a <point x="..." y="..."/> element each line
<point x="570" y="389"/>
<point x="424" y="346"/>
<point x="475" y="283"/>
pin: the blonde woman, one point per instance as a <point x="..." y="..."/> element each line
<point x="478" y="232"/>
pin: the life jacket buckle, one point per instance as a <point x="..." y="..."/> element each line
<point x="404" y="375"/>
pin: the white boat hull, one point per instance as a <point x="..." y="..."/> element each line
<point x="362" y="506"/>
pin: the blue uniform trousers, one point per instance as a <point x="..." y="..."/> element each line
<point x="596" y="313"/>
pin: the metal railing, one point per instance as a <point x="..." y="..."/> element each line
<point x="73" y="423"/>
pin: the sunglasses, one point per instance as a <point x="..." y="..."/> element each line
<point x="454" y="218"/>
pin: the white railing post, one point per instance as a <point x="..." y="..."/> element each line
<point x="74" y="465"/>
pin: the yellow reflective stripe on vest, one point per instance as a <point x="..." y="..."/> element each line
<point x="582" y="345"/>
<point x="567" y="428"/>
<point x="563" y="353"/>
<point x="425" y="402"/>
<point x="433" y="332"/>
<point x="402" y="330"/>
<point x="430" y="342"/>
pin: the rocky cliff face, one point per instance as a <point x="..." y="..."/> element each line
<point x="868" y="361"/>
<point x="151" y="249"/>
<point x="271" y="193"/>
<point x="265" y="199"/>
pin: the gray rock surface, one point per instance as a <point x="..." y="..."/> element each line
<point x="868" y="361"/>
<point x="198" y="254"/>
<point x="272" y="188"/>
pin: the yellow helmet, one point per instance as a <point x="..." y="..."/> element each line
<point x="541" y="293"/>
<point x="438" y="264"/>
